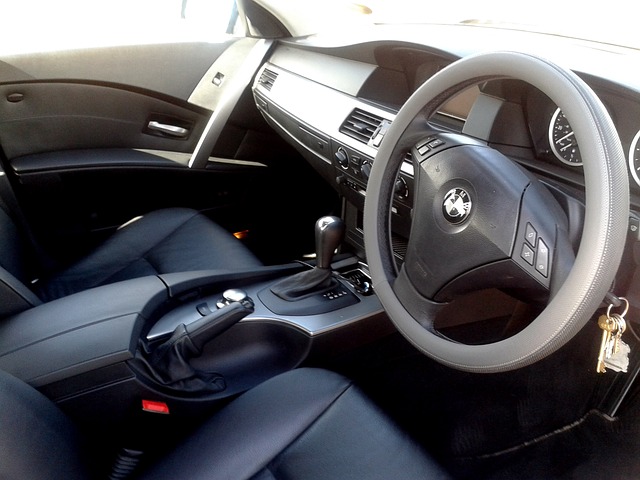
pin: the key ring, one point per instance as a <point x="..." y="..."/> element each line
<point x="626" y="307"/>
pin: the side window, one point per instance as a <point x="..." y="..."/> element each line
<point x="46" y="25"/>
<point x="222" y="14"/>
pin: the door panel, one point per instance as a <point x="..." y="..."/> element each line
<point x="172" y="69"/>
<point x="43" y="117"/>
<point x="72" y="125"/>
<point x="105" y="97"/>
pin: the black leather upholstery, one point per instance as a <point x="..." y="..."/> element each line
<point x="305" y="424"/>
<point x="164" y="241"/>
<point x="36" y="440"/>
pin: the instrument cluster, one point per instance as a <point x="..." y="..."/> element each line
<point x="565" y="149"/>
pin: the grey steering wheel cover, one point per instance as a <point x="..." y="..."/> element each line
<point x="604" y="232"/>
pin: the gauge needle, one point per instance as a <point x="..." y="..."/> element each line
<point x="564" y="138"/>
<point x="567" y="146"/>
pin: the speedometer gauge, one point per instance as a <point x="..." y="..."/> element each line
<point x="563" y="141"/>
<point x="634" y="158"/>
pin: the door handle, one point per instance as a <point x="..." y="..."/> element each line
<point x="167" y="129"/>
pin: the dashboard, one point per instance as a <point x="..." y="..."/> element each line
<point x="335" y="102"/>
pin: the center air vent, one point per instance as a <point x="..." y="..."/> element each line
<point x="361" y="125"/>
<point x="268" y="78"/>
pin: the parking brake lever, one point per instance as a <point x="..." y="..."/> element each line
<point x="191" y="338"/>
<point x="169" y="363"/>
<point x="230" y="310"/>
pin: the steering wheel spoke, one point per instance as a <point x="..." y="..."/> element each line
<point x="542" y="247"/>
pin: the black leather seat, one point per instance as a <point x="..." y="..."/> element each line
<point x="305" y="424"/>
<point x="163" y="241"/>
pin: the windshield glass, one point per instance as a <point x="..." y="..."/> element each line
<point x="616" y="24"/>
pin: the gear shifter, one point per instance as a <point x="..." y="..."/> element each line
<point x="315" y="290"/>
<point x="329" y="235"/>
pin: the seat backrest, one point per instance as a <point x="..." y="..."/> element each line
<point x="37" y="441"/>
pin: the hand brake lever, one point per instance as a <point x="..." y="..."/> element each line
<point x="210" y="326"/>
<point x="169" y="365"/>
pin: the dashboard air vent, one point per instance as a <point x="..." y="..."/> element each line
<point x="361" y="125"/>
<point x="268" y="78"/>
<point x="399" y="246"/>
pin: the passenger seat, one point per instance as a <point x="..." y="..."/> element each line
<point x="164" y="241"/>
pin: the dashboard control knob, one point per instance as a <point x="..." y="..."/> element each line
<point x="400" y="188"/>
<point x="365" y="169"/>
<point x="342" y="158"/>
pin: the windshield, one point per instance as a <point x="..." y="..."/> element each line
<point x="616" y="24"/>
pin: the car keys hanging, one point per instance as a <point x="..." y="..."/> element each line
<point x="613" y="353"/>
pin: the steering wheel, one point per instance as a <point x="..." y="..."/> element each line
<point x="479" y="220"/>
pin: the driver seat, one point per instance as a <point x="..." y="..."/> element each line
<point x="305" y="424"/>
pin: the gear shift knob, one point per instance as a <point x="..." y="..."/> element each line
<point x="329" y="236"/>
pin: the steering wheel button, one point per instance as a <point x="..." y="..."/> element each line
<point x="634" y="227"/>
<point x="527" y="254"/>
<point x="542" y="258"/>
<point x="423" y="150"/>
<point x="436" y="143"/>
<point x="530" y="235"/>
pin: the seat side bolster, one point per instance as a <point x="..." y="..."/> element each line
<point x="37" y="440"/>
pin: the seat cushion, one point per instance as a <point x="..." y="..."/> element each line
<point x="305" y="424"/>
<point x="164" y="241"/>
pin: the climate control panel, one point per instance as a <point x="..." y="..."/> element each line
<point x="353" y="171"/>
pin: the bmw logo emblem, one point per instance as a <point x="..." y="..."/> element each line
<point x="456" y="206"/>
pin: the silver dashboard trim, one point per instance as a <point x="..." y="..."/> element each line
<point x="311" y="325"/>
<point x="323" y="108"/>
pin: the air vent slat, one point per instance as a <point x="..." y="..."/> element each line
<point x="361" y="125"/>
<point x="399" y="246"/>
<point x="268" y="78"/>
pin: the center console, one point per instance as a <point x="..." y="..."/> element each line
<point x="91" y="352"/>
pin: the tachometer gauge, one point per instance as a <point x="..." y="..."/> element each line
<point x="562" y="140"/>
<point x="634" y="158"/>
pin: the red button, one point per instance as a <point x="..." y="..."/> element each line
<point x="155" y="407"/>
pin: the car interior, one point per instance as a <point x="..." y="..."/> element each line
<point x="287" y="255"/>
